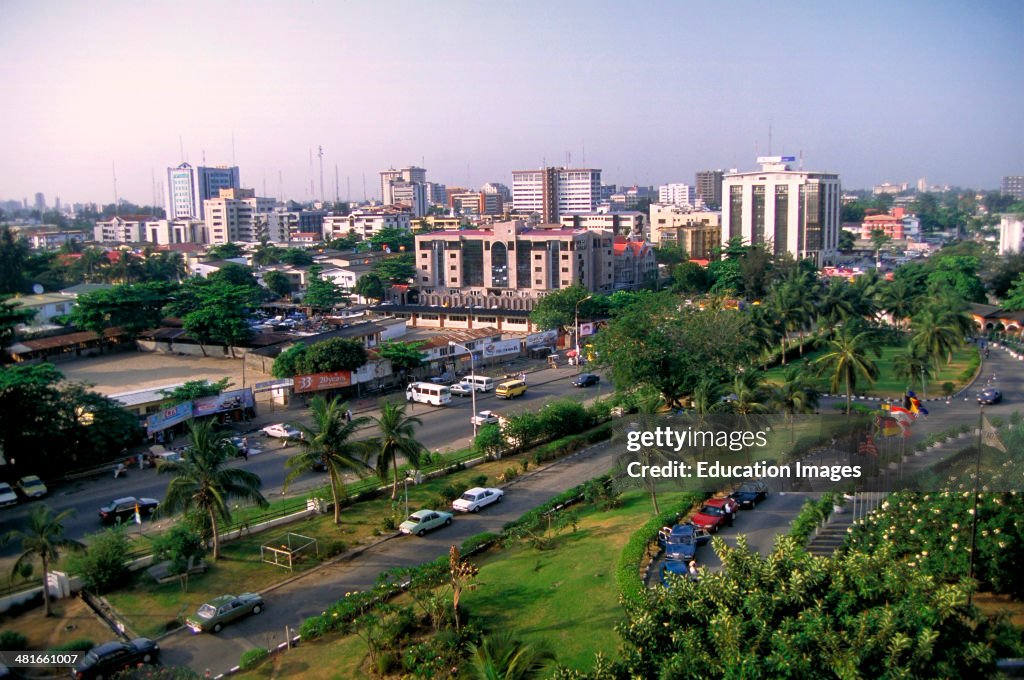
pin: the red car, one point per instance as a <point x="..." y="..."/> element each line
<point x="715" y="513"/>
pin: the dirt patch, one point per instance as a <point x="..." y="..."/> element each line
<point x="72" y="620"/>
<point x="992" y="604"/>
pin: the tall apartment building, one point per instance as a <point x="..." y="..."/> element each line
<point x="437" y="194"/>
<point x="793" y="211"/>
<point x="411" y="195"/>
<point x="551" y="192"/>
<point x="188" y="188"/>
<point x="388" y="177"/>
<point x="709" y="188"/>
<point x="232" y="216"/>
<point x="676" y="194"/>
<point x="1013" y="185"/>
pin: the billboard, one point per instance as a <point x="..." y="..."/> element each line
<point x="273" y="385"/>
<point x="161" y="420"/>
<point x="225" y="401"/>
<point x="542" y="339"/>
<point x="315" y="382"/>
<point x="587" y="329"/>
<point x="500" y="348"/>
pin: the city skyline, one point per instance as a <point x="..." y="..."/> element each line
<point x="472" y="92"/>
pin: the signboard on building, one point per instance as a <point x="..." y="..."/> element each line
<point x="270" y="385"/>
<point x="168" y="417"/>
<point x="542" y="339"/>
<point x="315" y="382"/>
<point x="587" y="329"/>
<point x="500" y="348"/>
<point x="225" y="401"/>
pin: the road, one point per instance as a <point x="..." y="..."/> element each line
<point x="444" y="429"/>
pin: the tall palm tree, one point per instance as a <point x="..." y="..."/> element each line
<point x="899" y="299"/>
<point x="866" y="291"/>
<point x="44" y="538"/>
<point x="936" y="333"/>
<point x="501" y="657"/>
<point x="397" y="437"/>
<point x="912" y="365"/>
<point x="204" y="483"/>
<point x="787" y="306"/>
<point x="328" y="442"/>
<point x="847" y="359"/>
<point x="836" y="304"/>
<point x="796" y="395"/>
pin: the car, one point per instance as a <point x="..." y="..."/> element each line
<point x="461" y="390"/>
<point x="477" y="497"/>
<point x="282" y="431"/>
<point x="989" y="397"/>
<point x="711" y="517"/>
<point x="750" y="494"/>
<point x="103" y="661"/>
<point x="7" y="495"/>
<point x="31" y="486"/>
<point x="211" y="617"/>
<point x="123" y="509"/>
<point x="422" y="521"/>
<point x="670" y="570"/>
<point x="586" y="380"/>
<point x="682" y="540"/>
<point x="485" y="418"/>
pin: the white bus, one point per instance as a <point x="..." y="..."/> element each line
<point x="428" y="393"/>
<point x="480" y="383"/>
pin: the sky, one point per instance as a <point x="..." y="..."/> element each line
<point x="649" y="92"/>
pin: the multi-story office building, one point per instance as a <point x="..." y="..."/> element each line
<point x="388" y="177"/>
<point x="676" y="194"/>
<point x="411" y="195"/>
<point x="366" y="222"/>
<point x="121" y="229"/>
<point x="551" y="192"/>
<point x="791" y="211"/>
<point x="696" y="232"/>
<point x="167" y="232"/>
<point x="283" y="226"/>
<point x="232" y="216"/>
<point x="709" y="188"/>
<point x="1013" y="185"/>
<point x="628" y="223"/>
<point x="498" y="188"/>
<point x="188" y="188"/>
<point x="892" y="225"/>
<point x="437" y="194"/>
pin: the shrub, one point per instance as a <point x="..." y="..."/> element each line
<point x="389" y="523"/>
<point x="102" y="565"/>
<point x="478" y="542"/>
<point x="76" y="645"/>
<point x="252" y="657"/>
<point x="334" y="547"/>
<point x="479" y="480"/>
<point x="452" y="491"/>
<point x="12" y="640"/>
<point x="811" y="514"/>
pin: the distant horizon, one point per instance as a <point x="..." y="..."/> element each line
<point x="874" y="93"/>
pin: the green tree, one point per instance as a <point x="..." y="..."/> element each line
<point x="194" y="389"/>
<point x="131" y="307"/>
<point x="690" y="277"/>
<point x="266" y="254"/>
<point x="290" y="362"/>
<point x="397" y="438"/>
<point x="183" y="547"/>
<point x="404" y="356"/>
<point x="395" y="269"/>
<point x="393" y="239"/>
<point x="102" y="563"/>
<point x="956" y="272"/>
<point x="11" y="316"/>
<point x="335" y="354"/>
<point x="499" y="656"/>
<point x="899" y="300"/>
<point x="912" y="366"/>
<point x="879" y="240"/>
<point x="202" y="480"/>
<point x="44" y="540"/>
<point x="278" y="283"/>
<point x="297" y="257"/>
<point x="234" y="274"/>
<point x="795" y="396"/>
<point x="13" y="254"/>
<point x="321" y="293"/>
<point x="370" y="286"/>
<point x="936" y="333"/>
<point x="328" y="441"/>
<point x="216" y="310"/>
<point x="847" y="359"/>
<point x="1015" y="295"/>
<point x="224" y="251"/>
<point x="846" y="240"/>
<point x="558" y="309"/>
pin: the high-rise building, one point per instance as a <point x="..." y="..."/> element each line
<point x="411" y="195"/>
<point x="676" y="194"/>
<point x="551" y="192"/>
<point x="388" y="177"/>
<point x="188" y="188"/>
<point x="232" y="215"/>
<point x="40" y="203"/>
<point x="791" y="211"/>
<point x="437" y="194"/>
<point x="709" y="188"/>
<point x="1013" y="185"/>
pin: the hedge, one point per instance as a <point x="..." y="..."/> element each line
<point x="627" y="572"/>
<point x="811" y="515"/>
<point x="253" y="656"/>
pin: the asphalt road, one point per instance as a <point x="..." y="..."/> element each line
<point x="444" y="429"/>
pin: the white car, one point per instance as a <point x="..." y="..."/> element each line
<point x="461" y="390"/>
<point x="7" y="495"/>
<point x="485" y="418"/>
<point x="281" y="430"/>
<point x="476" y="498"/>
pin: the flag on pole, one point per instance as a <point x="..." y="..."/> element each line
<point x="990" y="435"/>
<point x="901" y="414"/>
<point x="138" y="517"/>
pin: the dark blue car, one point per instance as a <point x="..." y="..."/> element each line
<point x="673" y="569"/>
<point x="681" y="542"/>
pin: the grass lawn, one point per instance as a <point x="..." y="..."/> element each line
<point x="887" y="384"/>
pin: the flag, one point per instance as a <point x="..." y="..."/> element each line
<point x="901" y="414"/>
<point x="990" y="435"/>
<point x="889" y="427"/>
<point x="138" y="517"/>
<point x="916" y="406"/>
<point x="867" y="447"/>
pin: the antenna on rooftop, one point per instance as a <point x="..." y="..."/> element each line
<point x="204" y="158"/>
<point x="801" y="159"/>
<point x="280" y="186"/>
<point x="337" y="191"/>
<point x="320" y="155"/>
<point x="769" y="136"/>
<point x="113" y="172"/>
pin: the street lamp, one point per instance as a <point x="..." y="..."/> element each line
<point x="472" y="370"/>
<point x="578" y="356"/>
<point x="405" y="483"/>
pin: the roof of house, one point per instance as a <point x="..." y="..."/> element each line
<point x="83" y="288"/>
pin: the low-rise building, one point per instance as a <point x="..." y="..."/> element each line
<point x="696" y="232"/>
<point x="366" y="222"/>
<point x="121" y="229"/>
<point x="628" y="223"/>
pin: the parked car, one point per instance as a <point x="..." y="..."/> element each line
<point x="31" y="486"/>
<point x="211" y="617"/>
<point x="105" y="660"/>
<point x="682" y="541"/>
<point x="281" y="430"/>
<point x="750" y="494"/>
<point x="586" y="380"/>
<point x="7" y="495"/>
<point x="711" y="517"/>
<point x="484" y="418"/>
<point x="990" y="396"/>
<point x="422" y="521"/>
<point x="673" y="569"/>
<point x="476" y="498"/>
<point x="123" y="509"/>
<point x="461" y="390"/>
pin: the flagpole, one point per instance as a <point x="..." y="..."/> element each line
<point x="974" y="514"/>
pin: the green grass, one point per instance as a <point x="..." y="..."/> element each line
<point x="887" y="384"/>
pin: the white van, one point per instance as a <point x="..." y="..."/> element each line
<point x="428" y="393"/>
<point x="481" y="383"/>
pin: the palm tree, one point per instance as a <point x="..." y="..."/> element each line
<point x="911" y="365"/>
<point x="788" y="306"/>
<point x="501" y="657"/>
<point x="397" y="437"/>
<point x="937" y="331"/>
<point x="265" y="253"/>
<point x="203" y="482"/>
<point x="796" y="395"/>
<point x="899" y="299"/>
<point x="44" y="538"/>
<point x="847" y="359"/>
<point x="836" y="305"/>
<point x="328" y="442"/>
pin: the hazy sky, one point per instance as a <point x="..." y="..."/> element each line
<point x="649" y="92"/>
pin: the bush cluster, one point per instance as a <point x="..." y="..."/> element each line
<point x="252" y="657"/>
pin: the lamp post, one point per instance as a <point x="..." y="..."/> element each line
<point x="579" y="357"/>
<point x="405" y="483"/>
<point x="472" y="370"/>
